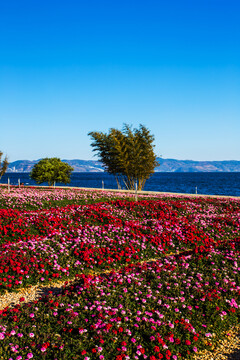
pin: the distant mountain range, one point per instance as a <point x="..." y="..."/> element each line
<point x="173" y="165"/>
<point x="166" y="165"/>
<point x="78" y="165"/>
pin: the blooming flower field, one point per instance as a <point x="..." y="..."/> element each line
<point x="41" y="198"/>
<point x="154" y="279"/>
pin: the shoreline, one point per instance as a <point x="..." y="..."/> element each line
<point x="143" y="192"/>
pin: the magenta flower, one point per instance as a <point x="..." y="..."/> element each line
<point x="208" y="335"/>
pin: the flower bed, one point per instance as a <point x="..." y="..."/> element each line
<point x="57" y="243"/>
<point x="170" y="308"/>
<point x="42" y="198"/>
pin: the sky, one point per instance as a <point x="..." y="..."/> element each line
<point x="71" y="67"/>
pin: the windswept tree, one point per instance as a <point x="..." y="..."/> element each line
<point x="51" y="170"/>
<point x="127" y="154"/>
<point x="3" y="164"/>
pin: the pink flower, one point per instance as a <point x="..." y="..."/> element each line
<point x="208" y="335"/>
<point x="32" y="315"/>
<point x="233" y="303"/>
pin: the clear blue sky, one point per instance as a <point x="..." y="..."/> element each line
<point x="70" y="67"/>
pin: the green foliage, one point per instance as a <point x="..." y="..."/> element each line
<point x="51" y="170"/>
<point x="127" y="154"/>
<point x="3" y="164"/>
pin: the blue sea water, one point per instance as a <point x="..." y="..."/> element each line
<point x="206" y="183"/>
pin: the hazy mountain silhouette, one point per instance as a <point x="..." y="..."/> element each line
<point x="166" y="165"/>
